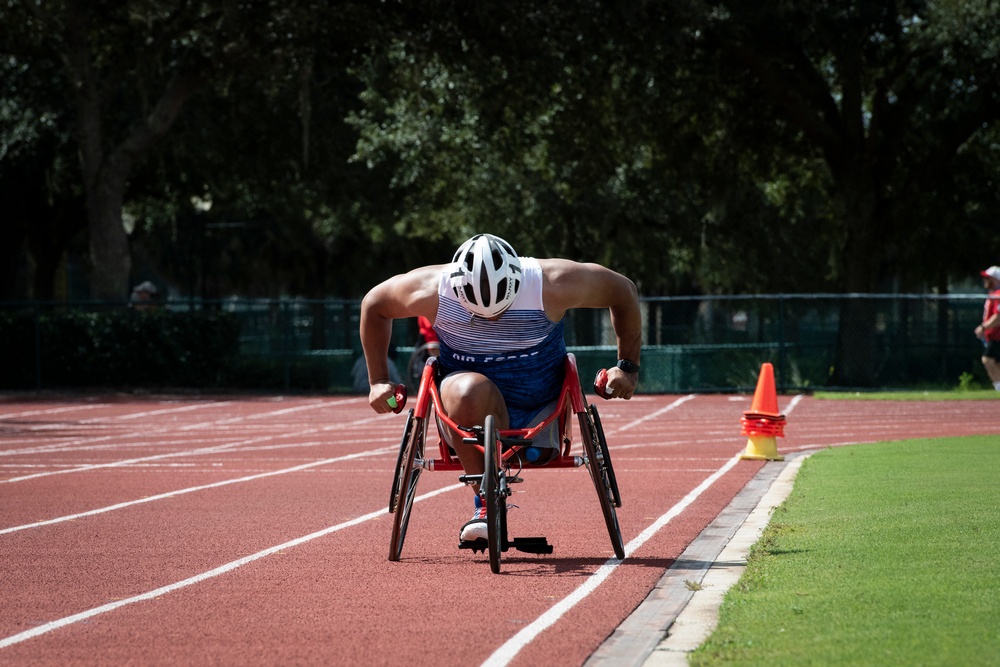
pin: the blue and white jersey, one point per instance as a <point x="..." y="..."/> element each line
<point x="523" y="352"/>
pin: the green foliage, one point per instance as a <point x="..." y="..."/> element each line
<point x="121" y="348"/>
<point x="882" y="94"/>
<point x="542" y="148"/>
<point x="699" y="148"/>
<point x="967" y="382"/>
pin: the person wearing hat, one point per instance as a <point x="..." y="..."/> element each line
<point x="989" y="330"/>
<point x="144" y="296"/>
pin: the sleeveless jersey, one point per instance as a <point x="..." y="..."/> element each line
<point x="522" y="352"/>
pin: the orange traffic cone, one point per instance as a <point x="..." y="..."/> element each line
<point x="762" y="422"/>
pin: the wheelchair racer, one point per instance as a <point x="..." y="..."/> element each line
<point x="499" y="320"/>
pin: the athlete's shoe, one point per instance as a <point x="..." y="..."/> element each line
<point x="475" y="528"/>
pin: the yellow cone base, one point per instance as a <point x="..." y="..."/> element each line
<point x="762" y="448"/>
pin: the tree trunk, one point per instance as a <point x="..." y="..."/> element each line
<point x="111" y="261"/>
<point x="857" y="354"/>
<point x="107" y="162"/>
<point x="857" y="351"/>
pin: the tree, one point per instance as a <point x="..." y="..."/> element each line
<point x="280" y="209"/>
<point x="43" y="210"/>
<point x="127" y="70"/>
<point x="527" y="119"/>
<point x="700" y="147"/>
<point x="887" y="94"/>
<point x="127" y="78"/>
<point x="727" y="138"/>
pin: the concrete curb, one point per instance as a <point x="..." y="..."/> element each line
<point x="683" y="608"/>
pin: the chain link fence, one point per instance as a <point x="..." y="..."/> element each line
<point x="691" y="344"/>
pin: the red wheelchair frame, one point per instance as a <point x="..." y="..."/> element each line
<point x="501" y="450"/>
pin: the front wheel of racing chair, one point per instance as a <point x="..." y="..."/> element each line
<point x="603" y="474"/>
<point x="404" y="483"/>
<point x="494" y="490"/>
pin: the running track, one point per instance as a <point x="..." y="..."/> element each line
<point x="169" y="530"/>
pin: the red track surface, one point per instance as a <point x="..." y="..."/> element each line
<point x="178" y="530"/>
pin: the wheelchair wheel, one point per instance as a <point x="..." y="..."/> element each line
<point x="606" y="455"/>
<point x="393" y="497"/>
<point x="494" y="492"/>
<point x="599" y="464"/>
<point x="405" y="482"/>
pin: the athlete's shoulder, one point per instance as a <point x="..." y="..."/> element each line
<point x="556" y="269"/>
<point x="409" y="294"/>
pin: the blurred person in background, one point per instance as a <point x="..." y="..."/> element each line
<point x="989" y="330"/>
<point x="145" y="296"/>
<point x="427" y="346"/>
<point x="428" y="336"/>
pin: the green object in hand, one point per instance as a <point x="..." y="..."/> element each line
<point x="391" y="401"/>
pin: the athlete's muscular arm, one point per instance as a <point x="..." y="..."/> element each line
<point x="575" y="285"/>
<point x="405" y="295"/>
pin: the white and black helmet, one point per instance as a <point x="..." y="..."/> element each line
<point x="486" y="275"/>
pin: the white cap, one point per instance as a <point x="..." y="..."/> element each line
<point x="992" y="272"/>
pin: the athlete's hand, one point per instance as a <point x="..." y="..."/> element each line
<point x="615" y="383"/>
<point x="387" y="397"/>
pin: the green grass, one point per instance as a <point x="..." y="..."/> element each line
<point x="914" y="395"/>
<point x="883" y="554"/>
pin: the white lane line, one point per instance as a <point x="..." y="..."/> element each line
<point x="222" y="569"/>
<point x="144" y="433"/>
<point x="506" y="652"/>
<point x="221" y="441"/>
<point x="191" y="452"/>
<point x="52" y="411"/>
<point x="108" y="421"/>
<point x="180" y="492"/>
<point x="687" y="442"/>
<point x="262" y="415"/>
<point x="158" y="457"/>
<point x="795" y="401"/>
<point x="654" y="414"/>
<point x="256" y="415"/>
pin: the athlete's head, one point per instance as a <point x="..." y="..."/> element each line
<point x="486" y="275"/>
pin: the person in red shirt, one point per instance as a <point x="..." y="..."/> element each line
<point x="989" y="330"/>
<point x="428" y="335"/>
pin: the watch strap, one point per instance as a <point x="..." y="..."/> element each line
<point x="628" y="366"/>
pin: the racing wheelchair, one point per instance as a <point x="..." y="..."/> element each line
<point x="504" y="452"/>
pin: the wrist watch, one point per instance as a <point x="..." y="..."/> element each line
<point x="628" y="366"/>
